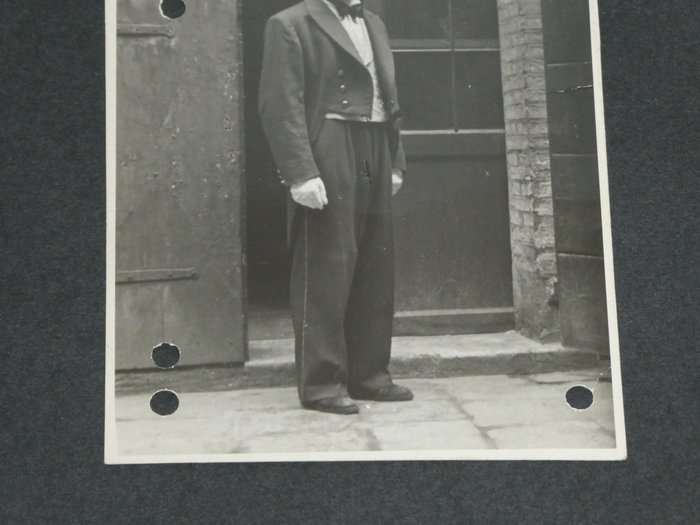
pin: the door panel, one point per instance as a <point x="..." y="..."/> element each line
<point x="452" y="224"/>
<point x="179" y="232"/>
<point x="452" y="253"/>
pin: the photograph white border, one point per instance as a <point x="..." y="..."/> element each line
<point x="111" y="455"/>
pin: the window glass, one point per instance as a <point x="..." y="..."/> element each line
<point x="428" y="19"/>
<point x="417" y="19"/>
<point x="425" y="64"/>
<point x="424" y="86"/>
<point x="479" y="93"/>
<point x="475" y="19"/>
<point x="425" y="90"/>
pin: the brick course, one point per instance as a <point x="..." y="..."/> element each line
<point x="529" y="171"/>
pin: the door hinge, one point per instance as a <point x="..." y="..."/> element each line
<point x="134" y="30"/>
<point x="143" y="276"/>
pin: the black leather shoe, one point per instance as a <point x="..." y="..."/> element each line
<point x="333" y="405"/>
<point x="387" y="393"/>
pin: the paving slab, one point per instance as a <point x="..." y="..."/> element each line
<point x="558" y="435"/>
<point x="167" y="436"/>
<point x="458" y="434"/>
<point x="351" y="440"/>
<point x="502" y="387"/>
<point x="469" y="413"/>
<point x="520" y="412"/>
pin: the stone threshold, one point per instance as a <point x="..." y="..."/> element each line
<point x="272" y="363"/>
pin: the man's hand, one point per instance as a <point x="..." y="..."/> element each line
<point x="310" y="193"/>
<point x="396" y="181"/>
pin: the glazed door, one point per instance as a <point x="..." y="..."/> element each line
<point x="179" y="258"/>
<point x="451" y="217"/>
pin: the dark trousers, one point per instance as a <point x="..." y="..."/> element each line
<point x="342" y="278"/>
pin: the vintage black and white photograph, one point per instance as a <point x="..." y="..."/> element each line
<point x="358" y="230"/>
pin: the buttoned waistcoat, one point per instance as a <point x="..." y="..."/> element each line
<point x="312" y="68"/>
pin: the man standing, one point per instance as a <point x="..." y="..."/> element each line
<point x="328" y="105"/>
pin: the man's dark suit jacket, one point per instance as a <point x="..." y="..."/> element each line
<point x="311" y="68"/>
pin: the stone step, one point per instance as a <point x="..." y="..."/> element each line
<point x="272" y="363"/>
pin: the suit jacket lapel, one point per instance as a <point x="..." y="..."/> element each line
<point x="325" y="18"/>
<point x="380" y="45"/>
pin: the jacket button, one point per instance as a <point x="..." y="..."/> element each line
<point x="345" y="103"/>
<point x="343" y="88"/>
<point x="341" y="73"/>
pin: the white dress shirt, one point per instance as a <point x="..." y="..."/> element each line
<point x="357" y="30"/>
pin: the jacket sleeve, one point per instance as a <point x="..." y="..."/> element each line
<point x="281" y="103"/>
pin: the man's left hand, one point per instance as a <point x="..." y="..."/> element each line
<point x="396" y="181"/>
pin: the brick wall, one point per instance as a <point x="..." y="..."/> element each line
<point x="529" y="170"/>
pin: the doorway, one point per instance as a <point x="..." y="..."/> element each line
<point x="268" y="260"/>
<point x="452" y="232"/>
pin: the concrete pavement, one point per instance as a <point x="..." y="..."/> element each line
<point x="453" y="413"/>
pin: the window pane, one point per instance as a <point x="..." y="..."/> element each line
<point x="428" y="19"/>
<point x="475" y="19"/>
<point x="479" y="95"/>
<point x="423" y="81"/>
<point x="417" y="19"/>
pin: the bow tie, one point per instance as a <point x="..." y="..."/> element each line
<point x="355" y="11"/>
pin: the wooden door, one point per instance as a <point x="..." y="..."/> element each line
<point x="179" y="257"/>
<point x="452" y="216"/>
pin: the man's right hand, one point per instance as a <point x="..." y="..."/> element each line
<point x="310" y="193"/>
